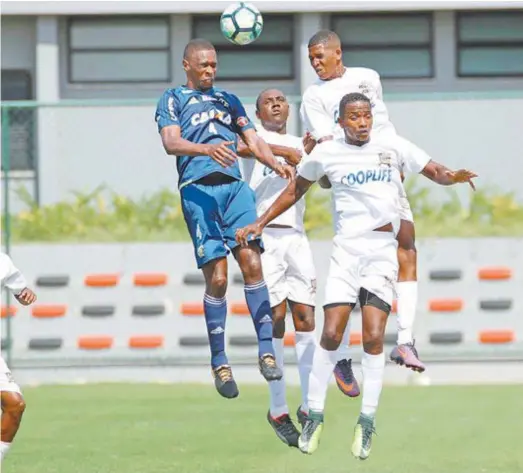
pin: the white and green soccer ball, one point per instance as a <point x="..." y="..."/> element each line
<point x="241" y="23"/>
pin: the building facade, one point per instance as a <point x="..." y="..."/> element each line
<point x="453" y="79"/>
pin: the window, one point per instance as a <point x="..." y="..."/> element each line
<point x="490" y="44"/>
<point x="119" y="49"/>
<point x="17" y="85"/>
<point x="395" y="45"/>
<point x="270" y="57"/>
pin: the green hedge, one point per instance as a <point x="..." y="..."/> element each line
<point x="103" y="216"/>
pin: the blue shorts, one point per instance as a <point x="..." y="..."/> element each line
<point x="213" y="213"/>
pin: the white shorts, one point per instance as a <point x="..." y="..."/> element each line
<point x="288" y="266"/>
<point x="7" y="382"/>
<point x="405" y="210"/>
<point x="369" y="262"/>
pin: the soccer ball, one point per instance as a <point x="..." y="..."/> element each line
<point x="241" y="23"/>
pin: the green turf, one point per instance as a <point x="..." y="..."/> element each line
<point x="190" y="429"/>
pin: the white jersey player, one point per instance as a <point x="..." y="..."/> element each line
<point x="13" y="404"/>
<point x="319" y="111"/>
<point x="287" y="263"/>
<point x="363" y="263"/>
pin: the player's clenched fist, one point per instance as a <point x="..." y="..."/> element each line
<point x="222" y="154"/>
<point x="242" y="234"/>
<point x="26" y="297"/>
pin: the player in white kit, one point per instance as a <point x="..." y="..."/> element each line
<point x="319" y="111"/>
<point x="13" y="404"/>
<point x="363" y="263"/>
<point x="287" y="263"/>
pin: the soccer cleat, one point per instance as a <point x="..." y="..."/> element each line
<point x="224" y="381"/>
<point x="269" y="369"/>
<point x="310" y="436"/>
<point x="345" y="378"/>
<point x="406" y="354"/>
<point x="285" y="429"/>
<point x="362" y="442"/>
<point x="302" y="417"/>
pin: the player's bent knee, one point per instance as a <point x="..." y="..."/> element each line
<point x="330" y="338"/>
<point x="407" y="254"/>
<point x="278" y="327"/>
<point x="303" y="318"/>
<point x="250" y="264"/>
<point x="373" y="342"/>
<point x="408" y="262"/>
<point x="219" y="285"/>
<point x="13" y="403"/>
<point x="306" y="325"/>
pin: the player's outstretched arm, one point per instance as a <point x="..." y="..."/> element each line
<point x="292" y="156"/>
<point x="292" y="193"/>
<point x="443" y="176"/>
<point x="263" y="153"/>
<point x="174" y="144"/>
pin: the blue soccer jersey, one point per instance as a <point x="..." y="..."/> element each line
<point x="210" y="116"/>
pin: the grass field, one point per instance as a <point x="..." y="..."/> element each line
<point x="190" y="429"/>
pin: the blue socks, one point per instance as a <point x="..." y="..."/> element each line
<point x="215" y="314"/>
<point x="257" y="298"/>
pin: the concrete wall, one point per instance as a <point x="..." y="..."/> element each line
<point x="470" y="305"/>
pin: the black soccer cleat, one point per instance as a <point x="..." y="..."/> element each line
<point x="224" y="382"/>
<point x="269" y="369"/>
<point x="285" y="429"/>
<point x="302" y="417"/>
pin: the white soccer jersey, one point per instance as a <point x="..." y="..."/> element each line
<point x="365" y="183"/>
<point x="10" y="275"/>
<point x="13" y="279"/>
<point x="320" y="105"/>
<point x="320" y="109"/>
<point x="268" y="186"/>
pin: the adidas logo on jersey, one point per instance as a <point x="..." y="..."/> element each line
<point x="193" y="101"/>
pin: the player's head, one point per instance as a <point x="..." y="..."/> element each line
<point x="356" y="118"/>
<point x="325" y="54"/>
<point x="272" y="109"/>
<point x="199" y="63"/>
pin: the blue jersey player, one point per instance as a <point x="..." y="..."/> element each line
<point x="199" y="124"/>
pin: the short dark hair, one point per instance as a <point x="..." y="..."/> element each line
<point x="258" y="99"/>
<point x="197" y="44"/>
<point x="352" y="98"/>
<point x="324" y="37"/>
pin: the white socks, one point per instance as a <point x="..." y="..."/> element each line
<point x="4" y="447"/>
<point x="322" y="370"/>
<point x="305" y="347"/>
<point x="407" y="292"/>
<point x="373" y="367"/>
<point x="343" y="349"/>
<point x="277" y="390"/>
